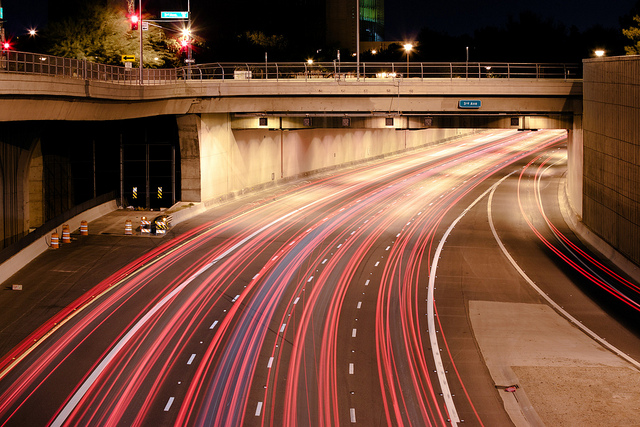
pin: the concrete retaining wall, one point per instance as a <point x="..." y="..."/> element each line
<point x="611" y="199"/>
<point x="232" y="161"/>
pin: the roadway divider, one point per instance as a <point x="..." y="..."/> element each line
<point x="28" y="254"/>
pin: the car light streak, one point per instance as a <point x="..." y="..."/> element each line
<point x="250" y="313"/>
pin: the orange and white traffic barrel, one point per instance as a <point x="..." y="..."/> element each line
<point x="55" y="244"/>
<point x="145" y="225"/>
<point x="84" y="228"/>
<point x="128" y="230"/>
<point x="66" y="234"/>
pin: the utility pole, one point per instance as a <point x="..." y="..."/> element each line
<point x="140" y="28"/>
<point x="358" y="37"/>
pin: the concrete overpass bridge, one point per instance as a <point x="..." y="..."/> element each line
<point x="233" y="127"/>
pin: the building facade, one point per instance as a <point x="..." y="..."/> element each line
<point x="341" y="22"/>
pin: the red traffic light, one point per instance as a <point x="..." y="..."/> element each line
<point x="134" y="21"/>
<point x="6" y="46"/>
<point x="184" y="43"/>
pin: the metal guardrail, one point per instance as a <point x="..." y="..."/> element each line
<point x="33" y="63"/>
<point x="379" y="70"/>
<point x="48" y="65"/>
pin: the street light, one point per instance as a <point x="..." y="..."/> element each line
<point x="407" y="48"/>
<point x="599" y="53"/>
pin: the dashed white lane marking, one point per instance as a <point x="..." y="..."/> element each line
<point x="325" y="261"/>
<point x="388" y="247"/>
<point x="284" y="325"/>
<point x="310" y="279"/>
<point x="353" y="333"/>
<point x="274" y="258"/>
<point x="270" y="362"/>
<point x="235" y="298"/>
<point x="259" y="409"/>
<point x="377" y="264"/>
<point x="359" y="304"/>
<point x="352" y="413"/>
<point x="340" y="245"/>
<point x="213" y="325"/>
<point x="296" y="300"/>
<point x="398" y="235"/>
<point x="90" y="380"/>
<point x="193" y="356"/>
<point x="255" y="277"/>
<point x="367" y="282"/>
<point x="168" y="405"/>
<point x="350" y="368"/>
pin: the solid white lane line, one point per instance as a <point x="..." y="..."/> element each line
<point x="193" y="356"/>
<point x="431" y="324"/>
<point x="168" y="405"/>
<point x="557" y="307"/>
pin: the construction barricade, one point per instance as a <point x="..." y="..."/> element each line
<point x="66" y="234"/>
<point x="55" y="244"/>
<point x="145" y="225"/>
<point x="128" y="229"/>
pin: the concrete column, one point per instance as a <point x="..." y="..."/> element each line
<point x="35" y="203"/>
<point x="189" y="137"/>
<point x="575" y="165"/>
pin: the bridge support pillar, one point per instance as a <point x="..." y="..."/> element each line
<point x="189" y="137"/>
<point x="207" y="152"/>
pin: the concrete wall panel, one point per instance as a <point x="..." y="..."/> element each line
<point x="233" y="161"/>
<point x="611" y="204"/>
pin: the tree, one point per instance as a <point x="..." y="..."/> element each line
<point x="633" y="33"/>
<point x="103" y="34"/>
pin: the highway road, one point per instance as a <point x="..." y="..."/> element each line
<point x="360" y="297"/>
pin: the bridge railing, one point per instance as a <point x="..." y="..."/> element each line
<point x="34" y="63"/>
<point x="378" y="70"/>
<point x="48" y="65"/>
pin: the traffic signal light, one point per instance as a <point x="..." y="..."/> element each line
<point x="184" y="44"/>
<point x="6" y="46"/>
<point x="134" y="22"/>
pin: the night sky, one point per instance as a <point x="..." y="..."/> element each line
<point x="405" y="18"/>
